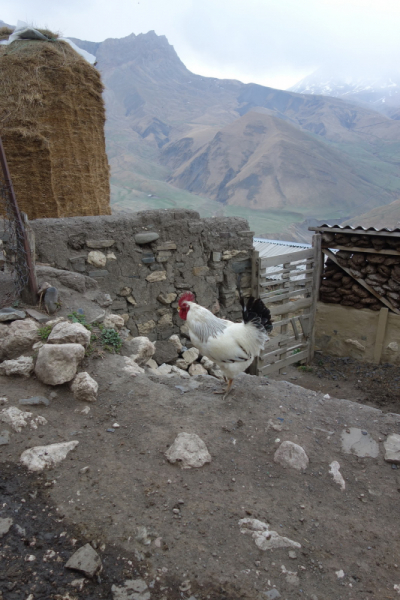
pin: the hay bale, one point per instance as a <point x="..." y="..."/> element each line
<point x="52" y="126"/>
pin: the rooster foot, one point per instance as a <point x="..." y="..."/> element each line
<point x="228" y="389"/>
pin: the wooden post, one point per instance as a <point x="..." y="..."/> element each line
<point x="380" y="334"/>
<point x="318" y="261"/>
<point x="255" y="291"/>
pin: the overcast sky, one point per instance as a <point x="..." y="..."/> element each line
<point x="271" y="42"/>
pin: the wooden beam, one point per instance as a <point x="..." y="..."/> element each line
<point x="290" y="307"/>
<point x="361" y="282"/>
<point x="380" y="334"/>
<point x="272" y="367"/>
<point x="387" y="251"/>
<point x="273" y="261"/>
<point x="317" y="238"/>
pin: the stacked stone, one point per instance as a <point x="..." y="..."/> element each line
<point x="145" y="261"/>
<point x="380" y="272"/>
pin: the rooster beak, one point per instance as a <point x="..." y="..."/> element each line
<point x="179" y="309"/>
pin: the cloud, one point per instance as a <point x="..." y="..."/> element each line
<point x="253" y="40"/>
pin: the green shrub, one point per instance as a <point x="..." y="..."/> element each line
<point x="111" y="340"/>
<point x="44" y="332"/>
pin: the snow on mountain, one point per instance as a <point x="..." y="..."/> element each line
<point x="381" y="90"/>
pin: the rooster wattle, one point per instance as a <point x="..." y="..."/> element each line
<point x="232" y="346"/>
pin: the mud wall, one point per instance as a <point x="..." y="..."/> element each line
<point x="145" y="260"/>
<point x="346" y="331"/>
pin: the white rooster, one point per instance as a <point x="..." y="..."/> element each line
<point x="232" y="346"/>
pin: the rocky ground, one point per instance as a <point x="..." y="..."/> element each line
<point x="175" y="533"/>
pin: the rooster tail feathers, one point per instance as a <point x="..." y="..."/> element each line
<point x="256" y="312"/>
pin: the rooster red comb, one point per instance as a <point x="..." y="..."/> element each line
<point x="186" y="297"/>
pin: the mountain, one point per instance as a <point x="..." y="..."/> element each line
<point x="175" y="138"/>
<point x="384" y="216"/>
<point x="380" y="91"/>
<point x="261" y="161"/>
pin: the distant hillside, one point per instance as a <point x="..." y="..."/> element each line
<point x="262" y="162"/>
<point x="385" y="216"/>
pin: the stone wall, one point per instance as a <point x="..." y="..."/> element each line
<point x="145" y="260"/>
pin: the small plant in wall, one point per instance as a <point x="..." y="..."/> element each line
<point x="111" y="340"/>
<point x="44" y="332"/>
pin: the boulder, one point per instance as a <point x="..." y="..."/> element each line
<point x="166" y="352"/>
<point x="140" y="349"/>
<point x="84" y="387"/>
<point x="189" y="356"/>
<point x="97" y="259"/>
<point x="291" y="455"/>
<point x="86" y="561"/>
<point x="174" y="339"/>
<point x="40" y="457"/>
<point x="69" y="333"/>
<point x="58" y="363"/>
<point x="11" y="314"/>
<point x="113" y="322"/>
<point x="131" y="367"/>
<point x="17" y="338"/>
<point x="197" y="369"/>
<point x="22" y="366"/>
<point x="189" y="450"/>
<point x="18" y="419"/>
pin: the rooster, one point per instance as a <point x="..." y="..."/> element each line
<point x="232" y="346"/>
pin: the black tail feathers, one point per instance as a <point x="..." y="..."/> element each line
<point x="256" y="311"/>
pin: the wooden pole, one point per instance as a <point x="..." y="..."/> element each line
<point x="30" y="292"/>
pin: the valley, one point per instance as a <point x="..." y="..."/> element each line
<point x="226" y="148"/>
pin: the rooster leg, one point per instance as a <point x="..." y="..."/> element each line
<point x="228" y="389"/>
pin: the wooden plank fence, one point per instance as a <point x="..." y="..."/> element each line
<point x="288" y="284"/>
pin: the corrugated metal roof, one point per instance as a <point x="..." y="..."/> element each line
<point x="275" y="247"/>
<point x="267" y="248"/>
<point x="358" y="229"/>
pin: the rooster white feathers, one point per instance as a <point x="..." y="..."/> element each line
<point x="232" y="346"/>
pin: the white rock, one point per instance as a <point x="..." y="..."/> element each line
<point x="112" y="321"/>
<point x="18" y="419"/>
<point x="22" y="366"/>
<point x="263" y="537"/>
<point x="40" y="457"/>
<point x="291" y="455"/>
<point x="156" y="276"/>
<point x="393" y="346"/>
<point x="189" y="450"/>
<point x="207" y="363"/>
<point x="197" y="369"/>
<point x="356" y="344"/>
<point x="17" y="337"/>
<point x="174" y="339"/>
<point x="354" y="441"/>
<point x="3" y="400"/>
<point x="167" y="298"/>
<point x="392" y="449"/>
<point x="111" y="256"/>
<point x="84" y="387"/>
<point x="58" y="363"/>
<point x="181" y="364"/>
<point x="180" y="372"/>
<point x="189" y="356"/>
<point x="86" y="561"/>
<point x="152" y="364"/>
<point x="131" y="367"/>
<point x="69" y="333"/>
<point x="140" y="349"/>
<point x="5" y="525"/>
<point x="337" y="476"/>
<point x="97" y="259"/>
<point x="164" y="369"/>
<point x="133" y="589"/>
<point x="339" y="574"/>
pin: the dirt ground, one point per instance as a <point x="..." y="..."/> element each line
<point x="373" y="385"/>
<point x="192" y="546"/>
